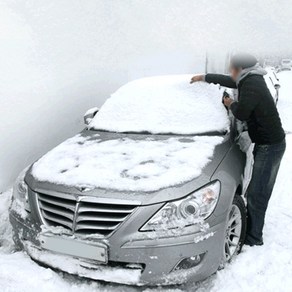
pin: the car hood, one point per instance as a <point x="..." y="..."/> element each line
<point x="142" y="168"/>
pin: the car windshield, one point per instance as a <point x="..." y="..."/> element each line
<point x="164" y="105"/>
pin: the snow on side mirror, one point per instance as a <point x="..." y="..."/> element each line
<point x="89" y="115"/>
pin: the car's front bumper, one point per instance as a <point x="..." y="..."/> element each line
<point x="139" y="262"/>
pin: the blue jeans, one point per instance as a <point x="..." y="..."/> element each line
<point x="267" y="160"/>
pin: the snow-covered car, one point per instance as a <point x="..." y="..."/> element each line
<point x="286" y="64"/>
<point x="150" y="192"/>
<point x="273" y="82"/>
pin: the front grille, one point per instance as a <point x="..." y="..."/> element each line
<point x="83" y="215"/>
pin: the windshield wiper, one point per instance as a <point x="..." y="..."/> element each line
<point x="211" y="133"/>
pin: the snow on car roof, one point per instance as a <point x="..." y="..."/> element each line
<point x="163" y="104"/>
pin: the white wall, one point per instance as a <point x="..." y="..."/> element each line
<point x="60" y="57"/>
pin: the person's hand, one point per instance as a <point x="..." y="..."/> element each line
<point x="228" y="101"/>
<point x="197" y="78"/>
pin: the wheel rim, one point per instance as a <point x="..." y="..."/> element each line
<point x="233" y="233"/>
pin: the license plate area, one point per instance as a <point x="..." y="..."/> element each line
<point x="76" y="248"/>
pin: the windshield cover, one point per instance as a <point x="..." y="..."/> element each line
<point x="164" y="104"/>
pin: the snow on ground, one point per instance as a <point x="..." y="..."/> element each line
<point x="164" y="104"/>
<point x="264" y="269"/>
<point x="144" y="165"/>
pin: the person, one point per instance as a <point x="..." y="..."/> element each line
<point x="256" y="106"/>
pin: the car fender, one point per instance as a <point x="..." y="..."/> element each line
<point x="230" y="173"/>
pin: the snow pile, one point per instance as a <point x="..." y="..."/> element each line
<point x="18" y="273"/>
<point x="285" y="100"/>
<point x="126" y="164"/>
<point x="5" y="227"/>
<point x="19" y="207"/>
<point x="84" y="268"/>
<point x="164" y="104"/>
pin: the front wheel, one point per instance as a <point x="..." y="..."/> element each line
<point x="235" y="229"/>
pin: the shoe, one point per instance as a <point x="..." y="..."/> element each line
<point x="257" y="243"/>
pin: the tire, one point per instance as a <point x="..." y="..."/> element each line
<point x="235" y="229"/>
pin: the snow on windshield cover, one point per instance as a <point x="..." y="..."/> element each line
<point x="163" y="104"/>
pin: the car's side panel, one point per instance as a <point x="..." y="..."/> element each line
<point x="230" y="173"/>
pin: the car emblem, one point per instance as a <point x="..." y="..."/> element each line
<point x="84" y="189"/>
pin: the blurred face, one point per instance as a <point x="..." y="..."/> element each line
<point x="234" y="72"/>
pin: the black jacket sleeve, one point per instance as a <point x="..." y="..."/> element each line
<point x="223" y="80"/>
<point x="247" y="103"/>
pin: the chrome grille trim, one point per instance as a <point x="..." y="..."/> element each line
<point x="106" y="210"/>
<point x="82" y="214"/>
<point x="97" y="218"/>
<point x="95" y="227"/>
<point x="58" y="202"/>
<point x="52" y="218"/>
<point x="52" y="209"/>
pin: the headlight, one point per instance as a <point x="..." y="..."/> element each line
<point x="190" y="210"/>
<point x="20" y="190"/>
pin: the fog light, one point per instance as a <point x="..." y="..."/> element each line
<point x="190" y="262"/>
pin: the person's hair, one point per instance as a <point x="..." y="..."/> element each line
<point x="243" y="60"/>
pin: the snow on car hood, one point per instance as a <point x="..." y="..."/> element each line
<point x="125" y="163"/>
<point x="164" y="104"/>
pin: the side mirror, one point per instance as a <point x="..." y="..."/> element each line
<point x="277" y="86"/>
<point x="89" y="115"/>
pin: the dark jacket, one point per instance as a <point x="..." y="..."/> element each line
<point x="256" y="106"/>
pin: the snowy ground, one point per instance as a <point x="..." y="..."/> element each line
<point x="266" y="268"/>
